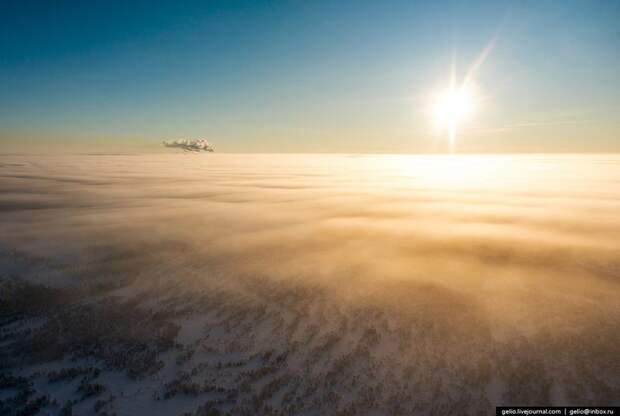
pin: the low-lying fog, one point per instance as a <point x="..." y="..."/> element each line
<point x="313" y="284"/>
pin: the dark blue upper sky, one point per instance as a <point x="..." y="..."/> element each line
<point x="306" y="76"/>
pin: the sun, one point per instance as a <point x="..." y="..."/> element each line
<point x="451" y="108"/>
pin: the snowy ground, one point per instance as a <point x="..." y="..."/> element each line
<point x="315" y="285"/>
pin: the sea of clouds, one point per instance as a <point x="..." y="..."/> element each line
<point x="486" y="226"/>
<point x="520" y="246"/>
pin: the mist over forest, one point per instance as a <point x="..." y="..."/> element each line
<point x="194" y="284"/>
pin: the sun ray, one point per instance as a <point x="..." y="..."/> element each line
<point x="456" y="104"/>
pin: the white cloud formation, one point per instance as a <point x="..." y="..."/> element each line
<point x="189" y="145"/>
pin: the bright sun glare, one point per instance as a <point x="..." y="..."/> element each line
<point x="452" y="107"/>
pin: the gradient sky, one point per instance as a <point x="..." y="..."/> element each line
<point x="297" y="76"/>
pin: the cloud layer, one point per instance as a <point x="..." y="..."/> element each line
<point x="497" y="256"/>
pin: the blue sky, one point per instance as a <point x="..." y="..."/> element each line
<point x="306" y="76"/>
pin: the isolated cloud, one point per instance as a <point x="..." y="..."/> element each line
<point x="197" y="145"/>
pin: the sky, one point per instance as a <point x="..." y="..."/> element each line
<point x="294" y="76"/>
